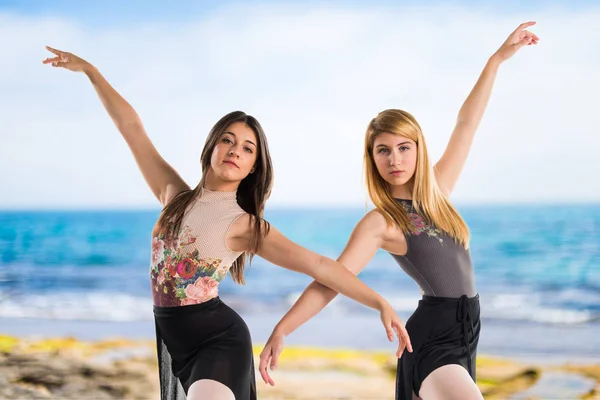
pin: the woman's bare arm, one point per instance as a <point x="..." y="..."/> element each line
<point x="162" y="179"/>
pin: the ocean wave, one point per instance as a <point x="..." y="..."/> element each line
<point x="77" y="306"/>
<point x="109" y="306"/>
<point x="531" y="307"/>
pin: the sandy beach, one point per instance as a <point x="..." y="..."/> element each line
<point x="68" y="368"/>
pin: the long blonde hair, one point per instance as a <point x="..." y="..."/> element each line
<point x="428" y="199"/>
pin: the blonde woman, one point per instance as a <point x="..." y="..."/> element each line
<point x="416" y="223"/>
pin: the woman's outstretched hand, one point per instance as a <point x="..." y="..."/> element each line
<point x="393" y="324"/>
<point x="521" y="37"/>
<point x="67" y="60"/>
<point x="269" y="357"/>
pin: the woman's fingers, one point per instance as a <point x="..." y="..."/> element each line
<point x="401" y="347"/>
<point x="264" y="361"/>
<point x="55" y="51"/>
<point x="389" y="331"/>
<point x="275" y="357"/>
<point x="524" y="26"/>
<point x="51" y="60"/>
<point x="403" y="335"/>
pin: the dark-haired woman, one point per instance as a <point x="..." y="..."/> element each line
<point x="204" y="347"/>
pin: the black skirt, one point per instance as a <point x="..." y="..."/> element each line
<point x="203" y="341"/>
<point x="442" y="331"/>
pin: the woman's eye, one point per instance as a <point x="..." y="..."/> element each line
<point x="382" y="151"/>
<point x="248" y="149"/>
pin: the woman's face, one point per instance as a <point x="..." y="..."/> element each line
<point x="395" y="157"/>
<point x="234" y="155"/>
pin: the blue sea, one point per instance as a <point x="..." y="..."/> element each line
<point x="536" y="266"/>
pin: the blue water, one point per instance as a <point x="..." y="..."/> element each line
<point x="533" y="263"/>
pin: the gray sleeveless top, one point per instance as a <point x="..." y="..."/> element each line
<point x="441" y="266"/>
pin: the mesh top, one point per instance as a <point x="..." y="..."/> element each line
<point x="187" y="269"/>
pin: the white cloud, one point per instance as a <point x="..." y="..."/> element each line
<point x="313" y="77"/>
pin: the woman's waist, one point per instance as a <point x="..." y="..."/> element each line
<point x="183" y="309"/>
<point x="194" y="325"/>
<point x="451" y="309"/>
<point x="442" y="299"/>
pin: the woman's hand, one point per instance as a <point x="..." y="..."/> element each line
<point x="393" y="324"/>
<point x="270" y="356"/>
<point x="519" y="38"/>
<point x="67" y="60"/>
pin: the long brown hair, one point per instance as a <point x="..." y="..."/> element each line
<point x="252" y="193"/>
<point x="427" y="197"/>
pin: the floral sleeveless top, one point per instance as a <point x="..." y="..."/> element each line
<point x="187" y="269"/>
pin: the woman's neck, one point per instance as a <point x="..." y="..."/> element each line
<point x="402" y="191"/>
<point x="216" y="184"/>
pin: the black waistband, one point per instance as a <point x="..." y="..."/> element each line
<point x="437" y="299"/>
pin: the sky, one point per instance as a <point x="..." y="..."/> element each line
<point x="314" y="74"/>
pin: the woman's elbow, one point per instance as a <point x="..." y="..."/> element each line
<point x="321" y="270"/>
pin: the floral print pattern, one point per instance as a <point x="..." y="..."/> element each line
<point x="180" y="277"/>
<point x="420" y="226"/>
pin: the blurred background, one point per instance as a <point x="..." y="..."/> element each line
<point x="76" y="215"/>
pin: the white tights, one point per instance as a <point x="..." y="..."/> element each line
<point x="450" y="382"/>
<point x="208" y="389"/>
